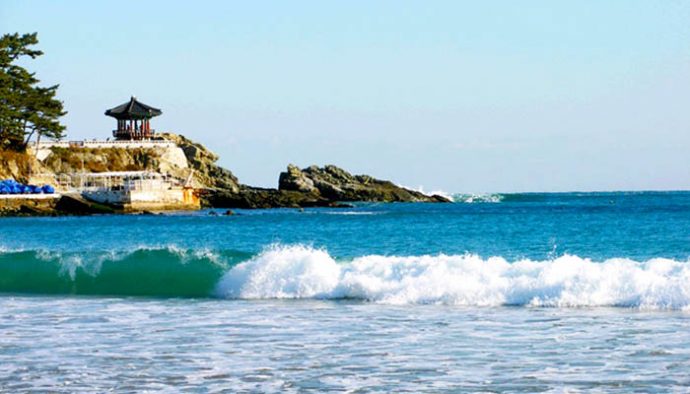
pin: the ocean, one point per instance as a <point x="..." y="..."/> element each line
<point x="523" y="293"/>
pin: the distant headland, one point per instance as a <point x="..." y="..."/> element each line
<point x="136" y="168"/>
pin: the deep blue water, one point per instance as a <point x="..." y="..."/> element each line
<point x="538" y="226"/>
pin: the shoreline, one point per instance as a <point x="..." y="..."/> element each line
<point x="69" y="166"/>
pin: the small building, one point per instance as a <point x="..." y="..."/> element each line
<point x="135" y="191"/>
<point x="133" y="120"/>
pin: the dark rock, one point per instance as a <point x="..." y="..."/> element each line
<point x="440" y="198"/>
<point x="336" y="184"/>
<point x="294" y="179"/>
<point x="26" y="207"/>
<point x="329" y="186"/>
<point x="254" y="198"/>
<point x="75" y="204"/>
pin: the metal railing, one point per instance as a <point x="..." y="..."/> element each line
<point x="117" y="180"/>
<point x="99" y="143"/>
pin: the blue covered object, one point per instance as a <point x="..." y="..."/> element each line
<point x="10" y="186"/>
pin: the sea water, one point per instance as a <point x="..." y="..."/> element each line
<point x="495" y="293"/>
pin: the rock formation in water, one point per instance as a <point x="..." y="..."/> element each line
<point x="313" y="187"/>
<point x="335" y="184"/>
<point x="253" y="197"/>
<point x="329" y="186"/>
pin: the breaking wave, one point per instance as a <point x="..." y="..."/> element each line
<point x="477" y="198"/>
<point x="302" y="272"/>
<point x="468" y="280"/>
<point x="545" y="197"/>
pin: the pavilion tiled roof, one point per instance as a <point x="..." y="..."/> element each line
<point x="133" y="110"/>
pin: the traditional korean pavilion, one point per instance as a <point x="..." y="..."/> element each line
<point x="133" y="120"/>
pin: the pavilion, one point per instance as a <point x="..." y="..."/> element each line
<point x="133" y="120"/>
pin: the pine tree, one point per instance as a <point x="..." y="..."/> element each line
<point x="26" y="109"/>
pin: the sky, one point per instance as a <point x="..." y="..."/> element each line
<point x="459" y="96"/>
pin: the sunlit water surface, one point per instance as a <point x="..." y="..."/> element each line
<point x="498" y="293"/>
<point x="172" y="345"/>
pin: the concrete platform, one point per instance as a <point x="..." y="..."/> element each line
<point x="30" y="196"/>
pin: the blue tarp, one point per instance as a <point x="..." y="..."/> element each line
<point x="10" y="186"/>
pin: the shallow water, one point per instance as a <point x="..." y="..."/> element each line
<point x="172" y="345"/>
<point x="499" y="293"/>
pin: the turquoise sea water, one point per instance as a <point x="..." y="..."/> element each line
<point x="516" y="292"/>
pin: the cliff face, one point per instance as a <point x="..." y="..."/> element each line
<point x="207" y="173"/>
<point x="16" y="165"/>
<point x="180" y="161"/>
<point x="73" y="160"/>
<point x="336" y="184"/>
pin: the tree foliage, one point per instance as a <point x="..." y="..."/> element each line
<point x="26" y="109"/>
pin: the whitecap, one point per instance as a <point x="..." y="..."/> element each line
<point x="468" y="280"/>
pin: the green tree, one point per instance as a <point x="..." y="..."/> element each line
<point x="26" y="109"/>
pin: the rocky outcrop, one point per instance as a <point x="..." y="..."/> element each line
<point x="327" y="186"/>
<point x="54" y="205"/>
<point x="314" y="186"/>
<point x="254" y="198"/>
<point x="207" y="174"/>
<point x="176" y="161"/>
<point x="335" y="184"/>
<point x="17" y="165"/>
<point x="27" y="206"/>
<point x="75" y="204"/>
<point x="295" y="179"/>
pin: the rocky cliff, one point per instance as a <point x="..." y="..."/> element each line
<point x="207" y="173"/>
<point x="314" y="186"/>
<point x="335" y="184"/>
<point x="180" y="161"/>
<point x="74" y="160"/>
<point x="16" y="165"/>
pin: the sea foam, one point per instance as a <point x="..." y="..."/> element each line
<point x="478" y="198"/>
<point x="468" y="280"/>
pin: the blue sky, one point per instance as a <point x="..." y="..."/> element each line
<point x="460" y="96"/>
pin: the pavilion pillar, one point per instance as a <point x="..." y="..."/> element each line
<point x="133" y="120"/>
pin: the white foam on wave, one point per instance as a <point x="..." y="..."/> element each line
<point x="478" y="198"/>
<point x="282" y="272"/>
<point x="567" y="281"/>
